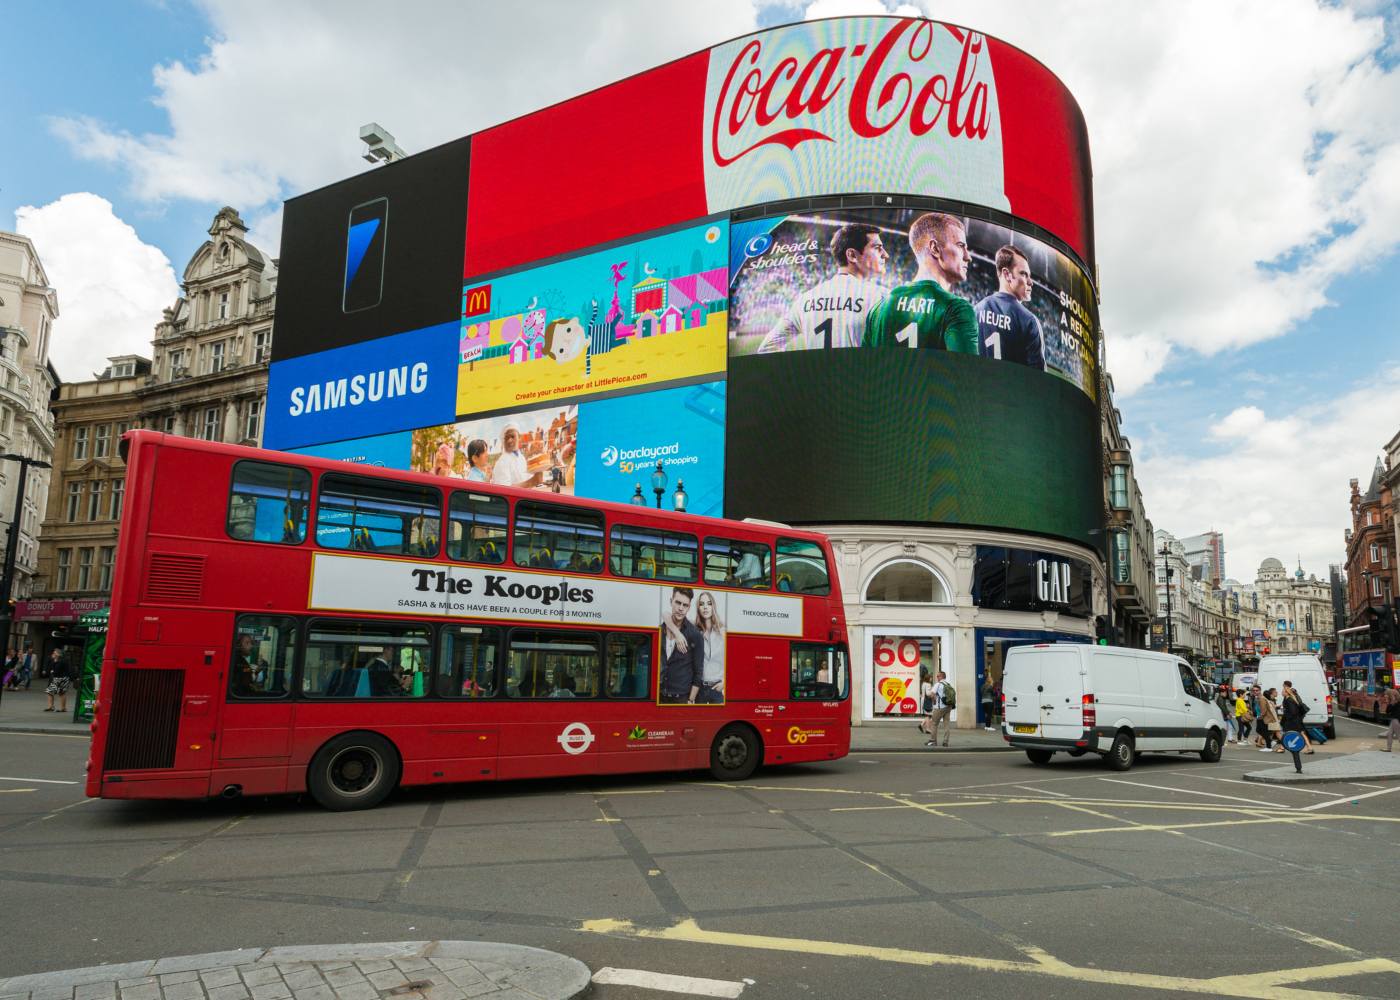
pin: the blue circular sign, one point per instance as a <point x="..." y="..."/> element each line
<point x="758" y="245"/>
<point x="1293" y="742"/>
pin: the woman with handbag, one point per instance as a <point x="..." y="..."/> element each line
<point x="1269" y="725"/>
<point x="926" y="706"/>
<point x="1244" y="718"/>
<point x="1294" y="711"/>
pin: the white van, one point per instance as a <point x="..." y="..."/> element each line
<point x="1310" y="680"/>
<point x="1107" y="699"/>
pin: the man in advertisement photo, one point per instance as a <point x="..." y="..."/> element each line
<point x="512" y="468"/>
<point x="926" y="313"/>
<point x="834" y="312"/>
<point x="682" y="651"/>
<point x="1006" y="329"/>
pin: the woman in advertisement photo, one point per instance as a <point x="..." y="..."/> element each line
<point x="478" y="471"/>
<point x="712" y="629"/>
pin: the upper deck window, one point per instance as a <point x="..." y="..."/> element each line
<point x="477" y="527"/>
<point x="373" y="515"/>
<point x="267" y="503"/>
<point x="731" y="563"/>
<point x="552" y="537"/>
<point x="653" y="554"/>
<point x="802" y="567"/>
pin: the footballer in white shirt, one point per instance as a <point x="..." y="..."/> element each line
<point x="832" y="313"/>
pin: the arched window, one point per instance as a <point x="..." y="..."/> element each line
<point x="904" y="581"/>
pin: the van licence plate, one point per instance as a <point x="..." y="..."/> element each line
<point x="1024" y="729"/>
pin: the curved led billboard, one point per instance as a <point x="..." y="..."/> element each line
<point x="834" y="271"/>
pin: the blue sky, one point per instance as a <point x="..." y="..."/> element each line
<point x="1247" y="188"/>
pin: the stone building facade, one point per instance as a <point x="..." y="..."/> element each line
<point x="28" y="308"/>
<point x="1372" y="571"/>
<point x="206" y="378"/>
<point x="1133" y="604"/>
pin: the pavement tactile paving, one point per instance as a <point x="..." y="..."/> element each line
<point x="403" y="970"/>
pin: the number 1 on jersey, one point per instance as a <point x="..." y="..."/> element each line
<point x="993" y="343"/>
<point x="823" y="329"/>
<point x="909" y="335"/>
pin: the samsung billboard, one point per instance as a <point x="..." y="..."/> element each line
<point x="917" y="343"/>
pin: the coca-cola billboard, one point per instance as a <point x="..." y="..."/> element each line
<point x="853" y="105"/>
<point x="887" y="105"/>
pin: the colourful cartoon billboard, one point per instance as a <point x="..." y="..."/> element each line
<point x="637" y="316"/>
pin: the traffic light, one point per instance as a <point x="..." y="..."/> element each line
<point x="1102" y="633"/>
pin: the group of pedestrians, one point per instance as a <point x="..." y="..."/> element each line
<point x="59" y="671"/>
<point x="19" y="668"/>
<point x="1269" y="714"/>
<point x="937" y="699"/>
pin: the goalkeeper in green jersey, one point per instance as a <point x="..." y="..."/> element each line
<point x="925" y="313"/>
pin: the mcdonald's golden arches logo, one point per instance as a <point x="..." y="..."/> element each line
<point x="476" y="301"/>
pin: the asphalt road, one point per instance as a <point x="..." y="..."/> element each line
<point x="884" y="875"/>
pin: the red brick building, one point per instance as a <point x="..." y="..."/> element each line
<point x="1372" y="576"/>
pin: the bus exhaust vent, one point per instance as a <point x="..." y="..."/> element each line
<point x="175" y="577"/>
<point x="145" y="719"/>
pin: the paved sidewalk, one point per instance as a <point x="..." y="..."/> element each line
<point x="904" y="736"/>
<point x="23" y="712"/>
<point x="403" y="970"/>
<point x="1369" y="765"/>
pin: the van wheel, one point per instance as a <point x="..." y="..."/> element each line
<point x="1210" y="753"/>
<point x="1120" y="755"/>
<point x="353" y="771"/>
<point x="734" y="753"/>
<point x="1039" y="756"/>
<point x="1330" y="730"/>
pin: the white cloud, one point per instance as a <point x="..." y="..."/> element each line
<point x="111" y="286"/>
<point x="1276" y="485"/>
<point x="274" y="106"/>
<point x="1245" y="157"/>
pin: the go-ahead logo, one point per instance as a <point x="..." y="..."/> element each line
<point x="609" y="456"/>
<point x="797" y="734"/>
<point x="758" y="244"/>
<point x="576" y="738"/>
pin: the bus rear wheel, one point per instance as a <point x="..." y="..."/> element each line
<point x="353" y="771"/>
<point x="734" y="755"/>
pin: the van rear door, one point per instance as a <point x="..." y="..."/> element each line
<point x="1061" y="694"/>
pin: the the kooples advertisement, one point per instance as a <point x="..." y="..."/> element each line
<point x="359" y="583"/>
<point x="1027" y="580"/>
<point x="910" y="280"/>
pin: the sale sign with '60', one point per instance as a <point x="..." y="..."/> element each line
<point x="896" y="663"/>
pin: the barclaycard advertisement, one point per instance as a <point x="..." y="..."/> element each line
<point x="635" y="316"/>
<point x="622" y="439"/>
<point x="910" y="279"/>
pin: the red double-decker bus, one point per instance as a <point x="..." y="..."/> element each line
<point x="1365" y="671"/>
<point x="284" y="624"/>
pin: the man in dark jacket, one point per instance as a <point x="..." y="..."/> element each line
<point x="682" y="651"/>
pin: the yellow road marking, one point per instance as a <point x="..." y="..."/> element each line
<point x="1251" y="985"/>
<point x="16" y="791"/>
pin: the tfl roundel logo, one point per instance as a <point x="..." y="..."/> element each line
<point x="758" y="245"/>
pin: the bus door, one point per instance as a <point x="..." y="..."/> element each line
<point x="255" y="725"/>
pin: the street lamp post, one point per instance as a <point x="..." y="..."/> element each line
<point x="658" y="483"/>
<point x="1167" y="574"/>
<point x="7" y="579"/>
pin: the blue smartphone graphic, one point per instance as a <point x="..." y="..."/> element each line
<point x="365" y="236"/>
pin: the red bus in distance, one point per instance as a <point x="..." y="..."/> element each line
<point x="284" y="624"/>
<point x="1364" y="672"/>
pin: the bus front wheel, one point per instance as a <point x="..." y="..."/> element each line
<point x="353" y="771"/>
<point x="734" y="754"/>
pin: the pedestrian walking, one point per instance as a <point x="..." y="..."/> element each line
<point x="1392" y="711"/>
<point x="10" y="671"/>
<point x="60" y="680"/>
<point x="926" y="704"/>
<point x="1295" y="710"/>
<point x="944" y="701"/>
<point x="1243" y="717"/>
<point x="1269" y="725"/>
<point x="989" y="701"/>
<point x="26" y="665"/>
<point x="1227" y="712"/>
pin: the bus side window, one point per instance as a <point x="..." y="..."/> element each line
<point x="731" y="563"/>
<point x="819" y="672"/>
<point x="374" y="515"/>
<point x="477" y="528"/>
<point x="652" y="554"/>
<point x="549" y="537"/>
<point x="804" y="566"/>
<point x="548" y="664"/>
<point x="467" y="661"/>
<point x="268" y="503"/>
<point x="365" y="659"/>
<point x="629" y="665"/>
<point x="260" y="666"/>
